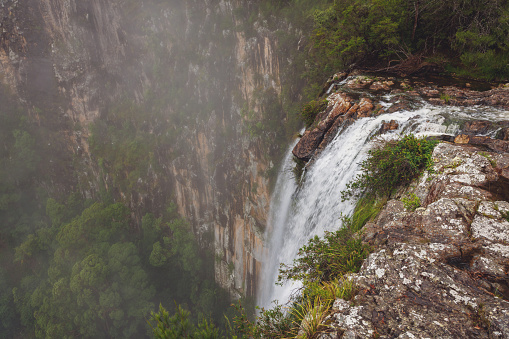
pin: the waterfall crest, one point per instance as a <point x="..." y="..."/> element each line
<point x="299" y="212"/>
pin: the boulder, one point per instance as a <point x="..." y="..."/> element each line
<point x="307" y="145"/>
<point x="476" y="127"/>
<point x="388" y="126"/>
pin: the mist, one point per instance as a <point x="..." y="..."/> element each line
<point x="140" y="141"/>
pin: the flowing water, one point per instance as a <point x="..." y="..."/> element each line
<point x="299" y="212"/>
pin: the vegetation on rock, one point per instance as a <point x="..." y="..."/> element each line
<point x="390" y="165"/>
<point x="311" y="109"/>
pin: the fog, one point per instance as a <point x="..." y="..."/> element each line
<point x="139" y="145"/>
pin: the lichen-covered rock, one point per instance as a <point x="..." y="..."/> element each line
<point x="440" y="271"/>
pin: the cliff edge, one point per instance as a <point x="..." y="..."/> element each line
<point x="439" y="271"/>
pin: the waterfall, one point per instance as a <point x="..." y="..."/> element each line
<point x="299" y="212"/>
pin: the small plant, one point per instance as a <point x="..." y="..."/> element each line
<point x="231" y="267"/>
<point x="455" y="163"/>
<point x="505" y="215"/>
<point x="309" y="318"/>
<point x="479" y="317"/>
<point x="311" y="110"/>
<point x="493" y="163"/>
<point x="366" y="209"/>
<point x="392" y="164"/>
<point x="411" y="202"/>
<point x="445" y="97"/>
<point x="328" y="291"/>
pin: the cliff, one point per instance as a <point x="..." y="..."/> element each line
<point x="184" y="72"/>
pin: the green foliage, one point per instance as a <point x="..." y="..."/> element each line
<point x="179" y="325"/>
<point x="302" y="319"/>
<point x="353" y="31"/>
<point x="366" y="209"/>
<point x="412" y="202"/>
<point x="272" y="323"/>
<point x="88" y="273"/>
<point x="311" y="109"/>
<point x="445" y="97"/>
<point x="505" y="215"/>
<point x="492" y="161"/>
<point x="309" y="318"/>
<point x="329" y="291"/>
<point x="338" y="253"/>
<point x="390" y="165"/>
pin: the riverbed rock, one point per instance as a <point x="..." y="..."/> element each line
<point x="388" y="126"/>
<point x="355" y="96"/>
<point x="440" y="271"/>
<point x="476" y="127"/>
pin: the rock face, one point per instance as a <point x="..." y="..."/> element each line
<point x="440" y="271"/>
<point x="69" y="61"/>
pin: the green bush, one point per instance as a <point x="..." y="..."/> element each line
<point x="177" y="326"/>
<point x="329" y="291"/>
<point x="392" y="164"/>
<point x="311" y="110"/>
<point x="412" y="202"/>
<point x="366" y="209"/>
<point x="338" y="253"/>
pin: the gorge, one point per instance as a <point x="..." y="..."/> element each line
<point x="141" y="144"/>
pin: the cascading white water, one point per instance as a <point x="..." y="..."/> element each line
<point x="297" y="214"/>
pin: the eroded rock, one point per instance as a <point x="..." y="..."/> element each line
<point x="440" y="271"/>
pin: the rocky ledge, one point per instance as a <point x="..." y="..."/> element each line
<point x="440" y="271"/>
<point x="352" y="96"/>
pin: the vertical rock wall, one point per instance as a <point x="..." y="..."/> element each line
<point x="70" y="59"/>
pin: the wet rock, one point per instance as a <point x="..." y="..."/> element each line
<point x="388" y="126"/>
<point x="365" y="108"/>
<point x="492" y="144"/>
<point x="403" y="105"/>
<point x="503" y="134"/>
<point x="476" y="127"/>
<point x="462" y="139"/>
<point x="307" y="145"/>
<point x="359" y="82"/>
<point x="381" y="85"/>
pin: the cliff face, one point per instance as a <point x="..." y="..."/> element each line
<point x="71" y="61"/>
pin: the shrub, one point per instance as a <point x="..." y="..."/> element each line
<point x="311" y="110"/>
<point x="309" y="318"/>
<point x="412" y="202"/>
<point x="329" y="291"/>
<point x="338" y="253"/>
<point x="179" y="326"/>
<point x="392" y="164"/>
<point x="271" y="323"/>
